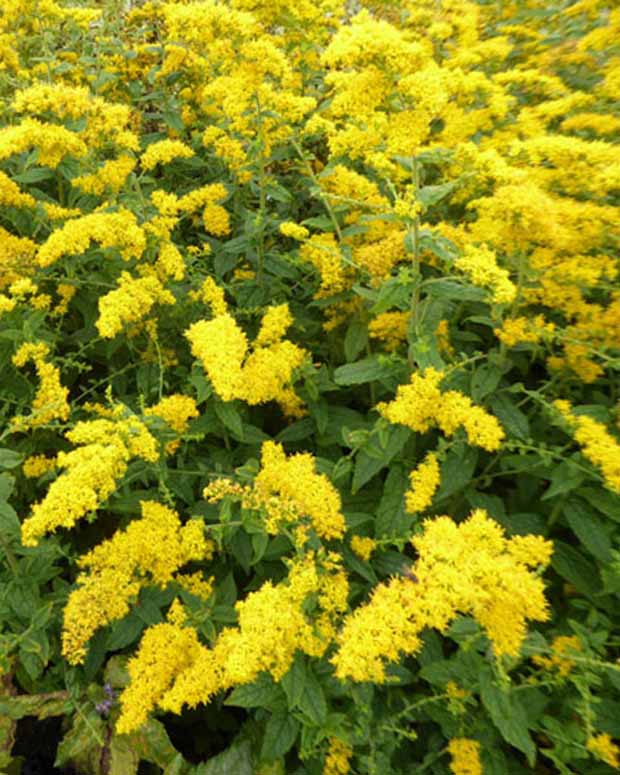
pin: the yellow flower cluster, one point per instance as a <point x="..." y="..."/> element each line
<point x="363" y="546"/>
<point x="90" y="472"/>
<point x="50" y="401"/>
<point x="37" y="465"/>
<point x="176" y="410"/>
<point x="521" y="329"/>
<point x="131" y="302"/>
<point x="274" y="623"/>
<point x="265" y="374"/>
<point x="338" y="757"/>
<point x="294" y="230"/>
<point x="288" y="489"/>
<point x="111" y="176"/>
<point x="471" y="568"/>
<point x="598" y="445"/>
<point x="480" y="265"/>
<point x="465" y="755"/>
<point x="390" y="328"/>
<point x="52" y="142"/>
<point x="421" y="405"/>
<point x="603" y="747"/>
<point x="118" y="230"/>
<point x="560" y="660"/>
<point x="424" y="481"/>
<point x="163" y="152"/>
<point x="150" y="551"/>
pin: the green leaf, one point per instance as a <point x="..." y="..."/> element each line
<point x="9" y="458"/>
<point x="297" y="431"/>
<point x="124" y="760"/>
<point x="366" y="370"/>
<point x="484" y="380"/>
<point x="236" y="760"/>
<point x="9" y="521"/>
<point x="565" y="477"/>
<point x="608" y="503"/>
<point x="588" y="530"/>
<point x="508" y="715"/>
<point x="229" y="416"/>
<point x="513" y="420"/>
<point x="280" y="734"/>
<point x="83" y="743"/>
<point x="174" y="120"/>
<point x="261" y="693"/>
<point x="569" y="563"/>
<point x="294" y="681"/>
<point x="312" y="703"/>
<point x="355" y="340"/>
<point x="7" y="482"/>
<point x="431" y="195"/>
<point x="40" y="705"/>
<point x="457" y="470"/>
<point x="152" y="743"/>
<point x="372" y="458"/>
<point x="392" y="519"/>
<point x="125" y="632"/>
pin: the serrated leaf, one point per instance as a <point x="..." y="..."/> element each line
<point x="236" y="760"/>
<point x="261" y="693"/>
<point x="280" y="734"/>
<point x="229" y="416"/>
<point x="392" y="518"/>
<point x="569" y="563"/>
<point x="484" y="381"/>
<point x="366" y="370"/>
<point x="294" y="681"/>
<point x="588" y="530"/>
<point x="313" y="703"/>
<point x="371" y="458"/>
<point x="123" y="759"/>
<point x="565" y="478"/>
<point x="355" y="340"/>
<point x="513" y="420"/>
<point x="9" y="458"/>
<point x="508" y="715"/>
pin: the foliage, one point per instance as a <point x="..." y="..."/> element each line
<point x="310" y="325"/>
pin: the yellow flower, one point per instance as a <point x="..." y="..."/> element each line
<point x="561" y="649"/>
<point x="390" y="327"/>
<point x="465" y="755"/>
<point x="294" y="230"/>
<point x="338" y="757"/>
<point x="163" y="152"/>
<point x="480" y="264"/>
<point x="111" y="230"/>
<point x="111" y="176"/>
<point x="421" y="405"/>
<point x="466" y="568"/>
<point x="295" y="479"/>
<point x="37" y="465"/>
<point x="50" y="401"/>
<point x="598" y="445"/>
<point x="604" y="749"/>
<point x="131" y="302"/>
<point x="424" y="481"/>
<point x="90" y="472"/>
<point x="363" y="546"/>
<point x="221" y="346"/>
<point x="149" y="551"/>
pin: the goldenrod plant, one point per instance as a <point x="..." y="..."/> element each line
<point x="310" y="357"/>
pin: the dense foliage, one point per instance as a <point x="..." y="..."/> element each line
<point x="310" y="343"/>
